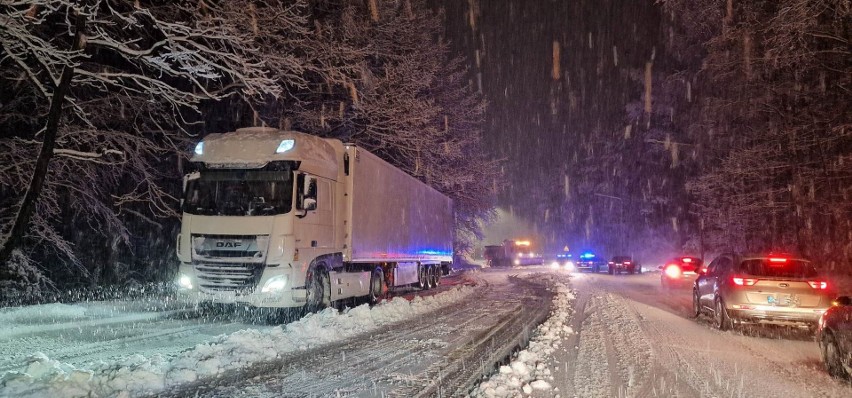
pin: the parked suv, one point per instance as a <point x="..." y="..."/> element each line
<point x="623" y="263"/>
<point x="774" y="289"/>
<point x="835" y="338"/>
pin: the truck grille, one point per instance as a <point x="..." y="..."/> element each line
<point x="228" y="277"/>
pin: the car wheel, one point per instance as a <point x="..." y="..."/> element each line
<point x="720" y="316"/>
<point x="696" y="304"/>
<point x="832" y="356"/>
<point x="610" y="270"/>
<point x="377" y="286"/>
<point x="632" y="271"/>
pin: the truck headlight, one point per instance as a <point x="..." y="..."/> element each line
<point x="184" y="282"/>
<point x="274" y="284"/>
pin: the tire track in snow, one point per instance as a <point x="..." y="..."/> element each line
<point x="438" y="355"/>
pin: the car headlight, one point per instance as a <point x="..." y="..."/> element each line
<point x="517" y="262"/>
<point x="184" y="282"/>
<point x="554" y="264"/>
<point x="569" y="265"/>
<point x="274" y="284"/>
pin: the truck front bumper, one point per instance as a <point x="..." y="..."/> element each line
<point x="288" y="296"/>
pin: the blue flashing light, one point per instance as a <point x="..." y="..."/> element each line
<point x="435" y="252"/>
<point x="199" y="148"/>
<point x="285" y="146"/>
<point x="587" y="255"/>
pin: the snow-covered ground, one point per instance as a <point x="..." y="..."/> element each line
<point x="528" y="369"/>
<point x="141" y="374"/>
<point x="555" y="335"/>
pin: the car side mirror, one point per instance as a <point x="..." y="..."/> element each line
<point x="842" y="301"/>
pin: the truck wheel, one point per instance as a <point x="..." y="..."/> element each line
<point x="423" y="278"/>
<point x="378" y="290"/>
<point x="436" y="276"/>
<point x="429" y="280"/>
<point x="319" y="291"/>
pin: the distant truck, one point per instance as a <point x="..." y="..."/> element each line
<point x="511" y="252"/>
<point x="278" y="218"/>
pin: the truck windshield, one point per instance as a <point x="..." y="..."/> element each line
<point x="239" y="193"/>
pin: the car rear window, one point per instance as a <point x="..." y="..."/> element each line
<point x="620" y="258"/>
<point x="785" y="269"/>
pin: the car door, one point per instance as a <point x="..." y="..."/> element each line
<point x="723" y="269"/>
<point x="705" y="284"/>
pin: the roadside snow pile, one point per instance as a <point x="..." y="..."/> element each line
<point x="137" y="375"/>
<point x="42" y="313"/>
<point x="527" y="371"/>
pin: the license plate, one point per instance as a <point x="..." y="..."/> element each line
<point x="780" y="300"/>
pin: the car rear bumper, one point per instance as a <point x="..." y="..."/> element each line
<point x="775" y="315"/>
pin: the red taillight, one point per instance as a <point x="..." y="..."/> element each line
<point x="611" y="263"/>
<point x="687" y="260"/>
<point x="672" y="271"/>
<point x="777" y="260"/>
<point x="740" y="281"/>
<point x="627" y="262"/>
<point x="819" y="285"/>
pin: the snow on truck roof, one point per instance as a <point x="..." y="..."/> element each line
<point x="254" y="147"/>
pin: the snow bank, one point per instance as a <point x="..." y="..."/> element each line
<point x="42" y="376"/>
<point x="527" y="371"/>
<point x="42" y="313"/>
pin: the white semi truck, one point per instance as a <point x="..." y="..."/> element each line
<point x="276" y="218"/>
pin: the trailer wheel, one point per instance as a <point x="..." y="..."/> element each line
<point x="436" y="275"/>
<point x="430" y="270"/>
<point x="423" y="278"/>
<point x="319" y="290"/>
<point x="378" y="289"/>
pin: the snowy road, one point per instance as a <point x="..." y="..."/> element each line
<point x="439" y="342"/>
<point x="637" y="340"/>
<point x="606" y="336"/>
<point x="440" y="354"/>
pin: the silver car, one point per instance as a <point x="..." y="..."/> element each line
<point x="772" y="289"/>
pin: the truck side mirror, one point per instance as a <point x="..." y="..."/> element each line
<point x="309" y="204"/>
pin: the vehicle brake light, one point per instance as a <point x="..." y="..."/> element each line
<point x="740" y="281"/>
<point x="687" y="260"/>
<point x="672" y="271"/>
<point x="611" y="263"/>
<point x="627" y="262"/>
<point x="777" y="260"/>
<point x="819" y="285"/>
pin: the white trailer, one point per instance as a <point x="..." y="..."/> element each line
<point x="284" y="219"/>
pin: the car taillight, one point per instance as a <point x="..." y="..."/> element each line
<point x="777" y="260"/>
<point x="611" y="263"/>
<point x="740" y="281"/>
<point x="819" y="285"/>
<point x="627" y="262"/>
<point x="672" y="271"/>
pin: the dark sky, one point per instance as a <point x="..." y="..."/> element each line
<point x="534" y="121"/>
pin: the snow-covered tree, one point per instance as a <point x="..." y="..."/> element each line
<point x="770" y="106"/>
<point x="94" y="95"/>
